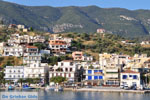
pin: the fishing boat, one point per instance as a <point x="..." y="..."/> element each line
<point x="26" y="87"/>
<point x="11" y="87"/>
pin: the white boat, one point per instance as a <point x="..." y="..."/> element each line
<point x="54" y="88"/>
<point x="50" y="88"/>
<point x="58" y="88"/>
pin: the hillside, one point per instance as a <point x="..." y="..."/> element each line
<point x="78" y="19"/>
<point x="93" y="44"/>
<point x="9" y="61"/>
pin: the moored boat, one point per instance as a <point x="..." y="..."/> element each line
<point x="11" y="87"/>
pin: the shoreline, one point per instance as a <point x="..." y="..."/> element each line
<point x="94" y="90"/>
<point x="107" y="90"/>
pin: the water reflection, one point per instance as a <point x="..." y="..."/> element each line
<point x="69" y="95"/>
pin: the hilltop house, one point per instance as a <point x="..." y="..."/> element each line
<point x="17" y="51"/>
<point x="58" y="46"/>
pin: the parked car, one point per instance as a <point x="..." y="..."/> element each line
<point x="126" y="87"/>
<point x="122" y="86"/>
<point x="89" y="86"/>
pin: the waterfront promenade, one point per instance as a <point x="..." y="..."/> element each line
<point x="95" y="89"/>
<point x="108" y="89"/>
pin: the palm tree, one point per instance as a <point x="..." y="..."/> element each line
<point x="21" y="81"/>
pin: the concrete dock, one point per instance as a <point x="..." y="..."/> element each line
<point x="109" y="89"/>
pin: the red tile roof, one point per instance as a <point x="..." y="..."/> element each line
<point x="31" y="46"/>
<point x="67" y="60"/>
<point x="129" y="71"/>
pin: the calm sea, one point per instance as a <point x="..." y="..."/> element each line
<point x="69" y="95"/>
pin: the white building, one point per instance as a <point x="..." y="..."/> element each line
<point x="87" y="58"/>
<point x="13" y="51"/>
<point x="31" y="56"/>
<point x="66" y="68"/>
<point x="14" y="73"/>
<point x="47" y="52"/>
<point x="130" y="78"/>
<point x="94" y="77"/>
<point x="36" y="71"/>
<point x="58" y="46"/>
<point x="2" y="44"/>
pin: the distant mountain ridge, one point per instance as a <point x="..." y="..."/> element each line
<point x="78" y="19"/>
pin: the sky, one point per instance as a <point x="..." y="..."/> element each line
<point x="128" y="4"/>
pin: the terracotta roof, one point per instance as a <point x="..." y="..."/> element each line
<point x="31" y="46"/>
<point x="129" y="71"/>
<point x="67" y="60"/>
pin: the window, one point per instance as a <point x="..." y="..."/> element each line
<point x="130" y="75"/>
<point x="66" y="69"/>
<point x="124" y="76"/>
<point x="135" y="77"/>
<point x="70" y="69"/>
<point x="19" y="76"/>
<point x="89" y="71"/>
<point x="10" y="76"/>
<point x="95" y="77"/>
<point x="95" y="71"/>
<point x="100" y="77"/>
<point x="89" y="77"/>
<point x="101" y="71"/>
<point x="71" y="63"/>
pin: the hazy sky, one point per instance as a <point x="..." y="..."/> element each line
<point x="129" y="4"/>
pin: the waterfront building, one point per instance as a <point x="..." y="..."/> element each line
<point x="130" y="78"/>
<point x="111" y="74"/>
<point x="33" y="71"/>
<point x="14" y="73"/>
<point x="67" y="69"/>
<point x="93" y="77"/>
<point x="112" y="64"/>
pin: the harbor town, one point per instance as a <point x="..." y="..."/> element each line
<point x="53" y="63"/>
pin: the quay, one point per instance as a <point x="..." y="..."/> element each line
<point x="109" y="89"/>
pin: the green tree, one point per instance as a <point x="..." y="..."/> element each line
<point x="21" y="81"/>
<point x="2" y="80"/>
<point x="91" y="67"/>
<point x="58" y="79"/>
